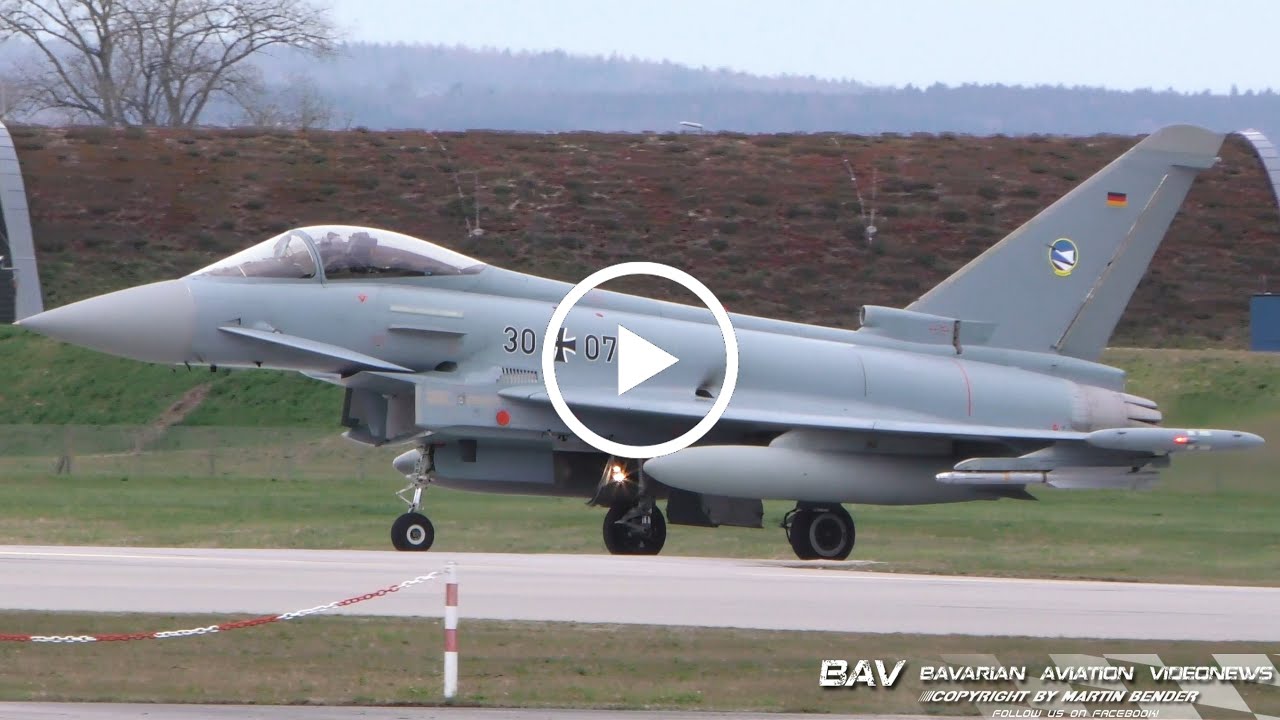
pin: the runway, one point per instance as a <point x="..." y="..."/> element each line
<point x="645" y="590"/>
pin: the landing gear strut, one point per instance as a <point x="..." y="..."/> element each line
<point x="638" y="529"/>
<point x="820" y="531"/>
<point x="413" y="530"/>
<point x="634" y="525"/>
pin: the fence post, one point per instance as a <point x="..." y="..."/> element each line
<point x="213" y="457"/>
<point x="450" y="631"/>
<point x="64" y="460"/>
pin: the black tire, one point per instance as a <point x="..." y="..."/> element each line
<point x="825" y="533"/>
<point x="412" y="532"/>
<point x="623" y="540"/>
<point x="798" y="534"/>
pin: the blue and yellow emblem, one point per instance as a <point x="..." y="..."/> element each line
<point x="1063" y="256"/>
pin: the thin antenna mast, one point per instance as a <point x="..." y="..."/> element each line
<point x="475" y="200"/>
<point x="868" y="222"/>
<point x="462" y="199"/>
<point x="871" y="226"/>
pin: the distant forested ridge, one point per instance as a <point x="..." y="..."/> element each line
<point x="403" y="86"/>
<point x="385" y="86"/>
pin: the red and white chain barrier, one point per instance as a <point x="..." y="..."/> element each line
<point x="224" y="627"/>
<point x="450" y="624"/>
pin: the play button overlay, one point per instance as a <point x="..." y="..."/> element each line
<point x="638" y="361"/>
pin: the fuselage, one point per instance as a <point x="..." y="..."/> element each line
<point x="459" y="324"/>
<point x="430" y="343"/>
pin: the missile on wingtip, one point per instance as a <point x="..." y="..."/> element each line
<point x="1015" y="477"/>
<point x="1064" y="477"/>
<point x="1163" y="440"/>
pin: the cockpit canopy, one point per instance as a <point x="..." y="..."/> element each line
<point x="338" y="252"/>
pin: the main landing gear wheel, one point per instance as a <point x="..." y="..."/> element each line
<point x="635" y="530"/>
<point x="820" y="532"/>
<point x="412" y="531"/>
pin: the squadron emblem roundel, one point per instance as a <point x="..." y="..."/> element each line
<point x="1063" y="256"/>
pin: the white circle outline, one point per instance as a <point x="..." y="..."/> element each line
<point x="552" y="384"/>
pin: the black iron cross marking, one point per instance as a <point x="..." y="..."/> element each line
<point x="565" y="345"/>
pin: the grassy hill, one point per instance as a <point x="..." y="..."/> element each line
<point x="49" y="383"/>
<point x="769" y="222"/>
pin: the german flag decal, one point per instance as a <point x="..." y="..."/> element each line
<point x="1115" y="199"/>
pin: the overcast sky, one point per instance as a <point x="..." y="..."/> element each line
<point x="1124" y="44"/>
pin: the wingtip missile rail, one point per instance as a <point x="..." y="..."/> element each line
<point x="1166" y="440"/>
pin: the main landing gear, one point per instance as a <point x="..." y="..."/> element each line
<point x="819" y="531"/>
<point x="412" y="530"/>
<point x="638" y="529"/>
<point x="634" y="525"/>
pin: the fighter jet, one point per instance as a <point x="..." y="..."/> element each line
<point x="984" y="387"/>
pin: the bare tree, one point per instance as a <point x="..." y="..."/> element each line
<point x="298" y="105"/>
<point x="15" y="97"/>
<point x="154" y="62"/>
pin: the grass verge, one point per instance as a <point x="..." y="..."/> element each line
<point x="1226" y="536"/>
<point x="367" y="661"/>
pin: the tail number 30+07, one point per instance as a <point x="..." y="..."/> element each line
<point x="592" y="347"/>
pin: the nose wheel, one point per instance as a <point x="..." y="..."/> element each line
<point x="412" y="531"/>
<point x="823" y="532"/>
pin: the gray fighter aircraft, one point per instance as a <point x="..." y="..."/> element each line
<point x="984" y="386"/>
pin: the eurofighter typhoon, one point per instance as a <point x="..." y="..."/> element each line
<point x="985" y="386"/>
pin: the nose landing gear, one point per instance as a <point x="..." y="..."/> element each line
<point x="413" y="530"/>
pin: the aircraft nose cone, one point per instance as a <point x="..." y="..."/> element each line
<point x="154" y="323"/>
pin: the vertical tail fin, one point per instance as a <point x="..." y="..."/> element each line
<point x="1060" y="282"/>
<point x="20" y="291"/>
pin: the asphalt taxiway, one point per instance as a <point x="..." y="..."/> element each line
<point x="705" y="592"/>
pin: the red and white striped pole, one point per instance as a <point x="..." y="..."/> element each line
<point x="450" y="630"/>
